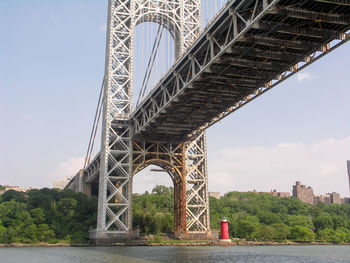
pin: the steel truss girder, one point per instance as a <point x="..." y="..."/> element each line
<point x="247" y="35"/>
<point x="121" y="156"/>
<point x="316" y="16"/>
<point x="92" y="170"/>
<point x="336" y="2"/>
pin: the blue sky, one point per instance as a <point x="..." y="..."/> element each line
<point x="51" y="69"/>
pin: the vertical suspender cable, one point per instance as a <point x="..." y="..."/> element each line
<point x="150" y="63"/>
<point x="151" y="41"/>
<point x="166" y="46"/>
<point x="157" y="41"/>
<point x="161" y="66"/>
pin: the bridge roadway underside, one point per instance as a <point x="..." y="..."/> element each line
<point x="248" y="49"/>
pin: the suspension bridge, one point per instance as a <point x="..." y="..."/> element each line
<point x="246" y="49"/>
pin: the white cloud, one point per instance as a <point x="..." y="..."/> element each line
<point x="321" y="165"/>
<point x="68" y="168"/>
<point x="27" y="116"/>
<point x="305" y="76"/>
<point x="103" y="28"/>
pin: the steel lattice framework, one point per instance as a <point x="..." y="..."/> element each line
<point x="250" y="47"/>
<point x="121" y="156"/>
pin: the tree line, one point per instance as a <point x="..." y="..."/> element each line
<point x="266" y="217"/>
<point x="52" y="215"/>
<point x="46" y="215"/>
<point x="251" y="216"/>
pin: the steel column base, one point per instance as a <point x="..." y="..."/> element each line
<point x="99" y="238"/>
<point x="210" y="235"/>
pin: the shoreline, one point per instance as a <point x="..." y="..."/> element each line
<point x="249" y="243"/>
<point x="182" y="244"/>
<point x="42" y="245"/>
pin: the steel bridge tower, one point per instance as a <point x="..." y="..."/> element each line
<point x="121" y="155"/>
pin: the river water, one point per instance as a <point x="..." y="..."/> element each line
<point x="261" y="254"/>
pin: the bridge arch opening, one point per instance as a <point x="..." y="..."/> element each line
<point x="166" y="20"/>
<point x="153" y="198"/>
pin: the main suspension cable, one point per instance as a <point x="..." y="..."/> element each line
<point x="94" y="127"/>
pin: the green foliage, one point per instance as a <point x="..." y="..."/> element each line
<point x="79" y="237"/>
<point x="336" y="236"/>
<point x="301" y="233"/>
<point x="162" y="190"/>
<point x="250" y="216"/>
<point x="153" y="213"/>
<point x="14" y="195"/>
<point x="46" y="215"/>
<point x="2" y="233"/>
<point x="282" y="231"/>
<point x="297" y="220"/>
<point x="44" y="233"/>
<point x="38" y="215"/>
<point x="16" y="218"/>
<point x="247" y="226"/>
<point x="339" y="221"/>
<point x="267" y="217"/>
<point x="265" y="233"/>
<point x="323" y="221"/>
<point x="156" y="239"/>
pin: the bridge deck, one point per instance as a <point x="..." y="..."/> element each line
<point x="249" y="48"/>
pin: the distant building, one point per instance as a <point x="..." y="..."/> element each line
<point x="16" y="188"/>
<point x="317" y="199"/>
<point x="274" y="192"/>
<point x="303" y="193"/>
<point x="215" y="195"/>
<point x="348" y="163"/>
<point x="283" y="194"/>
<point x="335" y="198"/>
<point x="280" y="194"/>
<point x="61" y="184"/>
<point x="327" y="199"/>
<point x="346" y="200"/>
<point x="330" y="198"/>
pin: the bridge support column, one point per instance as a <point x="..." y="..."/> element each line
<point x="88" y="189"/>
<point x="180" y="227"/>
<point x="114" y="220"/>
<point x="197" y="196"/>
<point x="118" y="162"/>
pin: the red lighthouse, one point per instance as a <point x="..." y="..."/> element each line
<point x="224" y="231"/>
